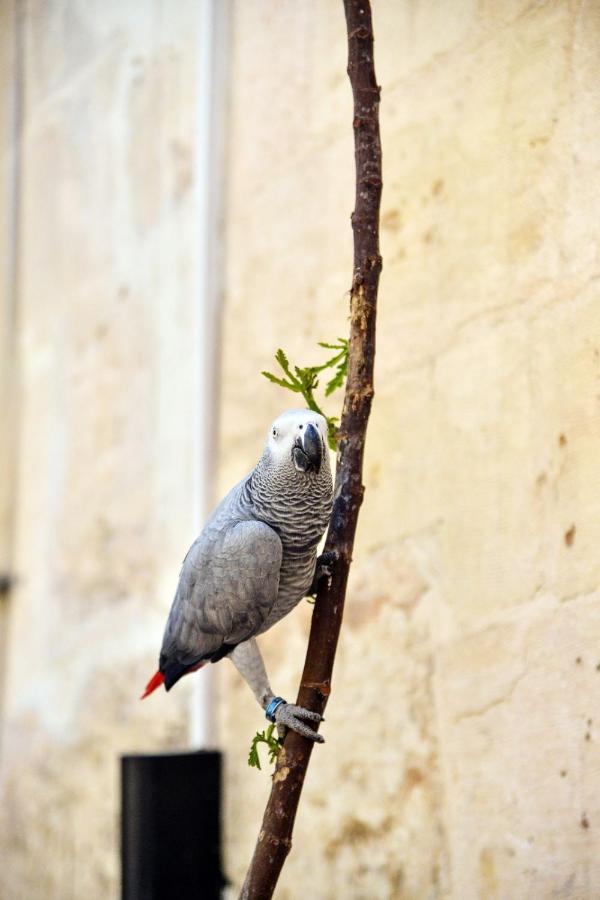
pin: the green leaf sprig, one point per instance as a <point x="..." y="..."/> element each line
<point x="305" y="380"/>
<point x="273" y="747"/>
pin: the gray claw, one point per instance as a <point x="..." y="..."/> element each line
<point x="290" y="716"/>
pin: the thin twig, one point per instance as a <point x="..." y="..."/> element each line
<point x="275" y="838"/>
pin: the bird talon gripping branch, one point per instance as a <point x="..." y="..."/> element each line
<point x="253" y="562"/>
<point x="290" y="716"/>
<point x="323" y="569"/>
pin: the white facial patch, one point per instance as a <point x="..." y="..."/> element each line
<point x="289" y="427"/>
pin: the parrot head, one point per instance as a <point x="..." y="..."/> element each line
<point x="298" y="436"/>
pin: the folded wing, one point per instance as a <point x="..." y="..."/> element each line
<point x="227" y="586"/>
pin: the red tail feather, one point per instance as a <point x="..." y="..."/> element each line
<point x="156" y="681"/>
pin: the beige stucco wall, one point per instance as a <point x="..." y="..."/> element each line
<point x="8" y="178"/>
<point x="461" y="758"/>
<point x="108" y="318"/>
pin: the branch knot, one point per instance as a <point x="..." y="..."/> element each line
<point x="360" y="33"/>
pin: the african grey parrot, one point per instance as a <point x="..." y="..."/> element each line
<point x="254" y="560"/>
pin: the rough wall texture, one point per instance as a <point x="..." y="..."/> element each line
<point x="8" y="156"/>
<point x="107" y="320"/>
<point x="462" y="758"/>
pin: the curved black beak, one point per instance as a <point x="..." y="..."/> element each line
<point x="308" y="450"/>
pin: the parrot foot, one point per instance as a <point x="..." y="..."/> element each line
<point x="287" y="715"/>
<point x="324" y="569"/>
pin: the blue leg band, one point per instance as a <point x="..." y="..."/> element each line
<point x="273" y="706"/>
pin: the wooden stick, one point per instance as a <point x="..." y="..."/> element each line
<point x="275" y="838"/>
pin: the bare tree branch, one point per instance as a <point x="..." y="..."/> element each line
<point x="275" y="838"/>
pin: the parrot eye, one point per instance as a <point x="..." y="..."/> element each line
<point x="275" y="432"/>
